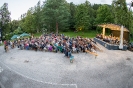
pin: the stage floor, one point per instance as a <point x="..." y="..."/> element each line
<point x="109" y="46"/>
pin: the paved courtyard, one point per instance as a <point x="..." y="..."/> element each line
<point x="111" y="69"/>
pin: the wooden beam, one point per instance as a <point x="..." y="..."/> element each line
<point x="103" y="31"/>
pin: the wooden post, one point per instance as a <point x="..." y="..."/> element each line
<point x="103" y="31"/>
<point x="121" y="38"/>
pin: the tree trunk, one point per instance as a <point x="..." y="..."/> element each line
<point x="37" y="30"/>
<point x="56" y="28"/>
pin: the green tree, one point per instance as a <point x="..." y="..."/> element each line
<point x="120" y="12"/>
<point x="22" y="22"/>
<point x="14" y="25"/>
<point x="104" y="15"/>
<point x="72" y="16"/>
<point x="56" y="15"/>
<point x="29" y="22"/>
<point x="18" y="31"/>
<point x="37" y="17"/>
<point x="122" y="15"/>
<point x="94" y="15"/>
<point x="82" y="17"/>
<point x="4" y="19"/>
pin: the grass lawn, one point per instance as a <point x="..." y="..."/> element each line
<point x="131" y="40"/>
<point x="88" y="34"/>
<point x="38" y="34"/>
<point x="1" y="44"/>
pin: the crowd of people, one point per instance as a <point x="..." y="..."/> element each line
<point x="54" y="43"/>
<point x="111" y="39"/>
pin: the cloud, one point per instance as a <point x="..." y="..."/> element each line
<point x="76" y="1"/>
<point x="103" y="1"/>
<point x="91" y="1"/>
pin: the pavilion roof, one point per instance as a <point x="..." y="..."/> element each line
<point x="113" y="27"/>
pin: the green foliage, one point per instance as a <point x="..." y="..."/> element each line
<point x="37" y="34"/>
<point x="61" y="16"/>
<point x="72" y="16"/>
<point x="14" y="25"/>
<point x="29" y="22"/>
<point x="88" y="34"/>
<point x="122" y="15"/>
<point x="99" y="30"/>
<point x="4" y="19"/>
<point x="82" y="17"/>
<point x="56" y="15"/>
<point x="37" y="17"/>
<point x="104" y="15"/>
<point x="8" y="36"/>
<point x="1" y="44"/>
<point x="120" y="12"/>
<point x="18" y="31"/>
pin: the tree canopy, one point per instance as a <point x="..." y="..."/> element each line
<point x="59" y="15"/>
<point x="4" y="19"/>
<point x="104" y="15"/>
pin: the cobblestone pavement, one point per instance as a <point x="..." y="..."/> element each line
<point x="30" y="69"/>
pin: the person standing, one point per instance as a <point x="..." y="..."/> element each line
<point x="6" y="46"/>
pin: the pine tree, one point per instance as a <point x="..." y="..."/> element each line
<point x="56" y="15"/>
<point x="82" y="17"/>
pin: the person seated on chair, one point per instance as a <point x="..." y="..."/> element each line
<point x="50" y="48"/>
<point x="77" y="48"/>
<point x="69" y="53"/>
<point x="73" y="48"/>
<point x="42" y="46"/>
<point x="66" y="51"/>
<point x="89" y="46"/>
<point x="35" y="46"/>
<point x="56" y="46"/>
<point x="30" y="45"/>
<point x="60" y="47"/>
<point x="84" y="48"/>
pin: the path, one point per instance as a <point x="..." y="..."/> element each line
<point x="30" y="69"/>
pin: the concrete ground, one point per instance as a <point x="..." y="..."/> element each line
<point x="30" y="69"/>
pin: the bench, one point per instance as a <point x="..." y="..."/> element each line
<point x="93" y="53"/>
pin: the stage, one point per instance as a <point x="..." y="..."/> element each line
<point x="109" y="46"/>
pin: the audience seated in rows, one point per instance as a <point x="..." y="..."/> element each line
<point x="56" y="43"/>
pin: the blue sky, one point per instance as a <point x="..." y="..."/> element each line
<point x="18" y="7"/>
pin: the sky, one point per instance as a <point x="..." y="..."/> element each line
<point x="18" y="7"/>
